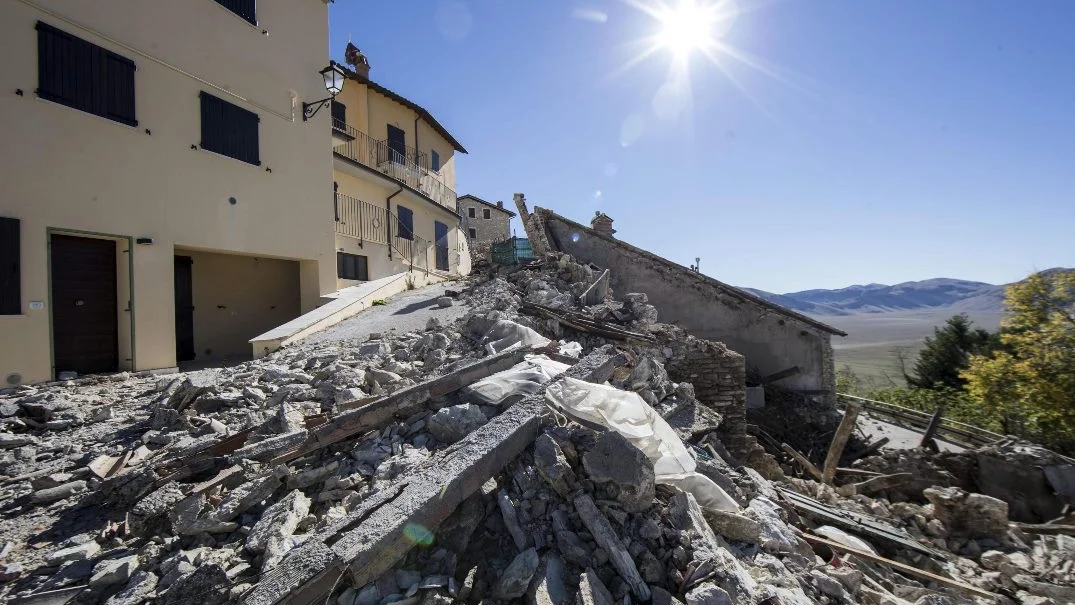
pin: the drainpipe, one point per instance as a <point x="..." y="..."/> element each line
<point x="388" y="219"/>
<point x="416" y="141"/>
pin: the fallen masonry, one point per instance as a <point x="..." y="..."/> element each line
<point x="558" y="444"/>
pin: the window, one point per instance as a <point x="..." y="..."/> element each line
<point x="485" y="213"/>
<point x="471" y="212"/>
<point x="75" y="73"/>
<point x="229" y="129"/>
<point x="434" y="160"/>
<point x="397" y="143"/>
<point x="10" y="280"/>
<point x="351" y="266"/>
<point x="243" y="8"/>
<point x="404" y="223"/>
<point x="472" y="233"/>
<point x="339" y="115"/>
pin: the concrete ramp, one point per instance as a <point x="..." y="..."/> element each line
<point x="343" y="304"/>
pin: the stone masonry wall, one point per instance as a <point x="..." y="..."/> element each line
<point x="719" y="378"/>
<point x="487" y="230"/>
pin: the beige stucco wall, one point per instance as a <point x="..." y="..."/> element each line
<point x="375" y="189"/>
<point x="79" y="172"/>
<point x="227" y="317"/>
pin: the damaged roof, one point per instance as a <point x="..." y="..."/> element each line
<point x="732" y="290"/>
<point x="421" y="111"/>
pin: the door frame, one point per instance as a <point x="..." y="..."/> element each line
<point x="49" y="232"/>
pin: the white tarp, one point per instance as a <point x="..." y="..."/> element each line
<point x="505" y="335"/>
<point x="629" y="415"/>
<point x="511" y="385"/>
<point x="841" y="536"/>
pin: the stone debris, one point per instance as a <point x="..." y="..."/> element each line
<point x="254" y="483"/>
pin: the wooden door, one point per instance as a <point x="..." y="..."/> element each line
<point x="184" y="309"/>
<point x="85" y="326"/>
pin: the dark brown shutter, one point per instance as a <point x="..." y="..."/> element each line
<point x="76" y="73"/>
<point x="10" y="269"/>
<point x="229" y="129"/>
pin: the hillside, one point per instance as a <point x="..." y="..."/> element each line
<point x="930" y="294"/>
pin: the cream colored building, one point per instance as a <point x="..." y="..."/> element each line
<point x="161" y="197"/>
<point x="394" y="178"/>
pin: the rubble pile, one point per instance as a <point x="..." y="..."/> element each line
<point x="538" y="450"/>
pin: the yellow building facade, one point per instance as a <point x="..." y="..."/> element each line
<point x="165" y="199"/>
<point x="394" y="183"/>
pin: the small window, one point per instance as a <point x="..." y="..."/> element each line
<point x="473" y="234"/>
<point x="229" y="129"/>
<point x="352" y="266"/>
<point x="10" y="268"/>
<point x="244" y="8"/>
<point x="339" y="115"/>
<point x="78" y="74"/>
<point x="404" y="223"/>
<point x="471" y="212"/>
<point x="486" y="213"/>
<point x="434" y="160"/>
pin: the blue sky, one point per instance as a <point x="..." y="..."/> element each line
<point x="853" y="142"/>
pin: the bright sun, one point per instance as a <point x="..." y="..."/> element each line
<point x="686" y="27"/>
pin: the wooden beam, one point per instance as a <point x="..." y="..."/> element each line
<point x="839" y="441"/>
<point x="802" y="460"/>
<point x="907" y="569"/>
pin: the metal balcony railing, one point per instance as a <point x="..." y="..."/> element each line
<point x="361" y="220"/>
<point x="397" y="164"/>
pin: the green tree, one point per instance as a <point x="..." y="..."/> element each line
<point x="948" y="352"/>
<point x="1029" y="383"/>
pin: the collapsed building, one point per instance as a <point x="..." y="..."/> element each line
<point x="779" y="344"/>
<point x="556" y="444"/>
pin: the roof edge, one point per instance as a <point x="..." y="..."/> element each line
<point x="730" y="289"/>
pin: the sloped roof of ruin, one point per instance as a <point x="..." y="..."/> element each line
<point x="727" y="288"/>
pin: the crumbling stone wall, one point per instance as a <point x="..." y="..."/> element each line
<point x="719" y="379"/>
<point x="771" y="338"/>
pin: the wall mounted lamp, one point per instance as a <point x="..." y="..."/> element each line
<point x="334" y="78"/>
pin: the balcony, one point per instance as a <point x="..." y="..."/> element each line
<point x="398" y="164"/>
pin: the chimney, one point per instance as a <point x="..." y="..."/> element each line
<point x="500" y="204"/>
<point x="357" y="60"/>
<point x="602" y="223"/>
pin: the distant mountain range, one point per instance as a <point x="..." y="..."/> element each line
<point x="957" y="295"/>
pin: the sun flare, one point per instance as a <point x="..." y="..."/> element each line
<point x="687" y="27"/>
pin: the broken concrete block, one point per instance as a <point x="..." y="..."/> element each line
<point x="552" y="465"/>
<point x="444" y="301"/>
<point x="973" y="515"/>
<point x="78" y="552"/>
<point x="271" y="534"/>
<point x="592" y="590"/>
<point x="453" y="423"/>
<point x="138" y="589"/>
<point x="516" y="578"/>
<point x="605" y="537"/>
<point x="150" y="515"/>
<point x="775" y="536"/>
<point x="250" y="493"/>
<point x="733" y="526"/>
<point x="381" y="377"/>
<point x="614" y="460"/>
<point x="207" y="585"/>
<point x="114" y="571"/>
<point x="708" y="593"/>
<point x="373" y="347"/>
<point x="55" y="494"/>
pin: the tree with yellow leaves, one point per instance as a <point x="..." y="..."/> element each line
<point x="1029" y="382"/>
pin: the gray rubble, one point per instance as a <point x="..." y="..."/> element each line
<point x="227" y="485"/>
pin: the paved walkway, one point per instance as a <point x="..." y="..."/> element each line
<point x="404" y="312"/>
<point x="899" y="437"/>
